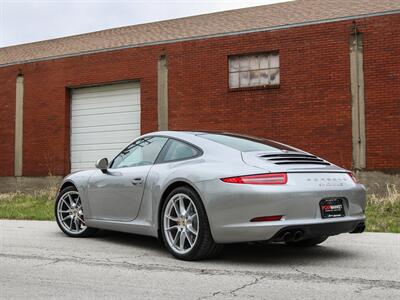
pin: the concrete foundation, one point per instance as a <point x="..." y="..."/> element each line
<point x="27" y="184"/>
<point x="376" y="182"/>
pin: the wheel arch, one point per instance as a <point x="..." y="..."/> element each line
<point x="165" y="194"/>
<point x="67" y="184"/>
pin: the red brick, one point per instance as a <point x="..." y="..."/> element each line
<point x="310" y="110"/>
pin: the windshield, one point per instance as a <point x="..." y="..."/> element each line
<point x="245" y="143"/>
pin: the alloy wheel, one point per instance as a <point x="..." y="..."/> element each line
<point x="70" y="213"/>
<point x="181" y="223"/>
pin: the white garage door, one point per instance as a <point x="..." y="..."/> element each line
<point x="104" y="119"/>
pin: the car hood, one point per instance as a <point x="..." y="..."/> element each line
<point x="288" y="161"/>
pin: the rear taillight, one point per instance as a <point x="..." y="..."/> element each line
<point x="270" y="178"/>
<point x="352" y="177"/>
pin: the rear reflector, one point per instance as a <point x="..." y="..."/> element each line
<point x="266" y="219"/>
<point x="270" y="178"/>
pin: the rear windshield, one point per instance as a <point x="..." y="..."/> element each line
<point x="245" y="143"/>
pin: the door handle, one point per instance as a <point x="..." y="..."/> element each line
<point x="137" y="180"/>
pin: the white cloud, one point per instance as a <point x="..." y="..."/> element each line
<point x="23" y="21"/>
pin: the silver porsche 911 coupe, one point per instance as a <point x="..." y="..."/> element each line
<point x="199" y="190"/>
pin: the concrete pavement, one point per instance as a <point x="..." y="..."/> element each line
<point x="37" y="261"/>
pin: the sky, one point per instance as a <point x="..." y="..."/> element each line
<point x="25" y="21"/>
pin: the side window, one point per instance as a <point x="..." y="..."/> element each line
<point x="178" y="150"/>
<point x="140" y="153"/>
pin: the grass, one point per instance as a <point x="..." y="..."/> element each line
<point x="32" y="206"/>
<point x="383" y="213"/>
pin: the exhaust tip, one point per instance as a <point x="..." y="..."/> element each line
<point x="287" y="236"/>
<point x="359" y="228"/>
<point x="298" y="235"/>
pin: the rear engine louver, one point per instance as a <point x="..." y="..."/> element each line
<point x="294" y="159"/>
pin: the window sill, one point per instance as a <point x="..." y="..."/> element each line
<point x="254" y="88"/>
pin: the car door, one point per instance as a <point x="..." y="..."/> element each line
<point x="116" y="194"/>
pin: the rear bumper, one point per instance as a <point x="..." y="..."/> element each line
<point x="264" y="231"/>
<point x="316" y="230"/>
<point x="230" y="207"/>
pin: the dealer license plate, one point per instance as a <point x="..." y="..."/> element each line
<point x="331" y="208"/>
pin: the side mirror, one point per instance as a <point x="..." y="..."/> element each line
<point x="102" y="164"/>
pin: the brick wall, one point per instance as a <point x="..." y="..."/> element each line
<point x="8" y="78"/>
<point x="382" y="93"/>
<point x="311" y="109"/>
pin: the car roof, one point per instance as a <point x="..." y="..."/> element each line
<point x="188" y="132"/>
<point x="195" y="137"/>
<point x="209" y="147"/>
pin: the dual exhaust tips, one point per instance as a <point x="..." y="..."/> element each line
<point x="293" y="236"/>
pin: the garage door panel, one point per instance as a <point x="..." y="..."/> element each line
<point x="106" y="128"/>
<point x="96" y="137"/>
<point x="89" y="140"/>
<point x="105" y="110"/>
<point x="116" y="103"/>
<point x="87" y="156"/>
<point x="104" y="120"/>
<point x="108" y="89"/>
<point x="105" y="94"/>
<point x="103" y="97"/>
<point x="95" y="99"/>
<point x="82" y="166"/>
<point x="103" y="146"/>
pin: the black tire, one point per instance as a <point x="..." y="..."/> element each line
<point x="204" y="247"/>
<point x="308" y="242"/>
<point x="87" y="232"/>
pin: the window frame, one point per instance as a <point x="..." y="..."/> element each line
<point x="166" y="147"/>
<point x="135" y="141"/>
<point x="162" y="152"/>
<point x="258" y="87"/>
<point x="267" y="142"/>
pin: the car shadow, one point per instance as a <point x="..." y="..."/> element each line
<point x="131" y="240"/>
<point x="244" y="253"/>
<point x="280" y="254"/>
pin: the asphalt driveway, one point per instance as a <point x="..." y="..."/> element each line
<point x="37" y="261"/>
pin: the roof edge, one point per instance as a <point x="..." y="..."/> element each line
<point x="199" y="37"/>
<point x="141" y="24"/>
